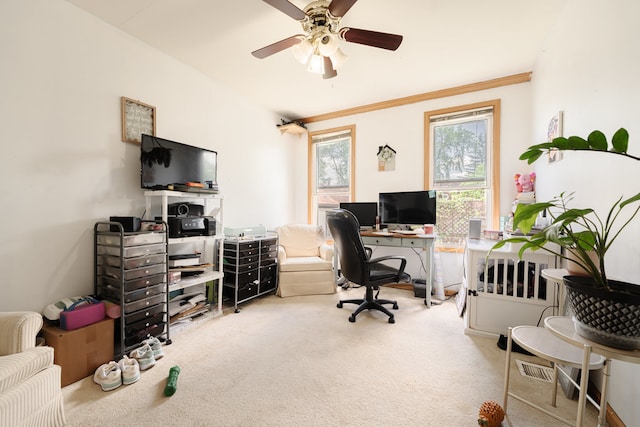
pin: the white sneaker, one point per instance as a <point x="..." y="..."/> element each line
<point x="144" y="356"/>
<point x="130" y="370"/>
<point x="108" y="376"/>
<point x="156" y="346"/>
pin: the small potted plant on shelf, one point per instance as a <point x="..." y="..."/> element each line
<point x="605" y="311"/>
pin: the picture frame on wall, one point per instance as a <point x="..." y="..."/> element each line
<point x="137" y="118"/>
<point x="554" y="130"/>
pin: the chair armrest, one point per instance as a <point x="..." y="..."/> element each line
<point x="326" y="252"/>
<point x="368" y="251"/>
<point x="403" y="263"/>
<point x="18" y="331"/>
<point x="282" y="254"/>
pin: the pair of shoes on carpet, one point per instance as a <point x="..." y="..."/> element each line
<point x="148" y="353"/>
<point x="112" y="375"/>
<point x="127" y="371"/>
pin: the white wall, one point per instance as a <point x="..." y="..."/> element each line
<point x="403" y="129"/>
<point x="590" y="70"/>
<point x="64" y="166"/>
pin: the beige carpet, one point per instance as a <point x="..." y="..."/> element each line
<point x="298" y="362"/>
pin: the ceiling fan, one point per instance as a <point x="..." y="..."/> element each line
<point x="319" y="47"/>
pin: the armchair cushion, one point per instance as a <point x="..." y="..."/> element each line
<point x="300" y="239"/>
<point x="305" y="263"/>
<point x="16" y="368"/>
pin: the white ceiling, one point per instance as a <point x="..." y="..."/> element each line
<point x="446" y="43"/>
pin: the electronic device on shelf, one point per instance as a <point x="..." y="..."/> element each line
<point x="171" y="165"/>
<point x="186" y="209"/>
<point x="407" y="208"/>
<point x="365" y="212"/>
<point x="186" y="226"/>
<point x="246" y="232"/>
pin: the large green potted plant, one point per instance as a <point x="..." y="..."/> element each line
<point x="605" y="310"/>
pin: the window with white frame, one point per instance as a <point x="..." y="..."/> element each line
<point x="330" y="172"/>
<point x="462" y="167"/>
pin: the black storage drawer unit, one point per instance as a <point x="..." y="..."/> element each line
<point x="131" y="271"/>
<point x="250" y="267"/>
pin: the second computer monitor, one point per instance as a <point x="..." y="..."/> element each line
<point x="365" y="212"/>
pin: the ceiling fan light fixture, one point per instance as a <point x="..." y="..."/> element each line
<point x="302" y="51"/>
<point x="328" y="44"/>
<point x="316" y="64"/>
<point x="338" y="58"/>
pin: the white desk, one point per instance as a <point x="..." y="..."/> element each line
<point x="424" y="242"/>
<point x="563" y="328"/>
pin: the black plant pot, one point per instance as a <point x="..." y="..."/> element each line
<point x="609" y="316"/>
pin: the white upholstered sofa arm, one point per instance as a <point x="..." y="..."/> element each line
<point x="18" y="331"/>
<point x="282" y="254"/>
<point x="326" y="252"/>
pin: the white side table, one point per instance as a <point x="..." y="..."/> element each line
<point x="563" y="328"/>
<point x="546" y="345"/>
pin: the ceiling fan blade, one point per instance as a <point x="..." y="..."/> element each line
<point x="277" y="46"/>
<point x="329" y="72"/>
<point x="287" y="8"/>
<point x="338" y="8"/>
<point x="371" y="38"/>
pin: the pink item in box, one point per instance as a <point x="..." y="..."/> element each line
<point x="82" y="313"/>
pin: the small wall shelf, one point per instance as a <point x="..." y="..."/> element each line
<point x="292" y="128"/>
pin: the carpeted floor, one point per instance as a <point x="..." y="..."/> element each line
<point x="298" y="362"/>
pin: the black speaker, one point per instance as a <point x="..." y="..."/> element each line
<point x="129" y="223"/>
<point x="210" y="226"/>
<point x="186" y="209"/>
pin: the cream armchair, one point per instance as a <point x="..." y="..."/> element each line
<point x="305" y="261"/>
<point x="30" y="391"/>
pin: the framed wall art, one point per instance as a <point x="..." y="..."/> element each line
<point x="137" y="118"/>
<point x="554" y="131"/>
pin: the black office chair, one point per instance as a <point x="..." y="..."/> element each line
<point x="357" y="266"/>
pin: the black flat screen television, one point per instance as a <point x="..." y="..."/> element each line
<point x="407" y="208"/>
<point x="164" y="162"/>
<point x="365" y="212"/>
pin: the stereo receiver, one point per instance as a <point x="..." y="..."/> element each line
<point x="185" y="226"/>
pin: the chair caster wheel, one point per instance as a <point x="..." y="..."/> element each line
<point x="395" y="306"/>
<point x="352" y="319"/>
<point x="339" y="305"/>
<point x="392" y="320"/>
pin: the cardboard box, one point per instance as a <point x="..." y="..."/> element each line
<point x="81" y="351"/>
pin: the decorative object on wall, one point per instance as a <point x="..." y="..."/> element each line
<point x="386" y="158"/>
<point x="292" y="126"/>
<point x="554" y="131"/>
<point x="137" y="118"/>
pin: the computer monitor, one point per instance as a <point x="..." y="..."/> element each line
<point x="365" y="212"/>
<point x="408" y="208"/>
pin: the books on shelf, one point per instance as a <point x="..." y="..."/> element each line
<point x="184" y="260"/>
<point x="186" y="305"/>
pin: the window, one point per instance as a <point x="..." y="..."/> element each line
<point x="331" y="171"/>
<point x="461" y="163"/>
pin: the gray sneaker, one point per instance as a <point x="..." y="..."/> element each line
<point x="144" y="356"/>
<point x="156" y="346"/>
